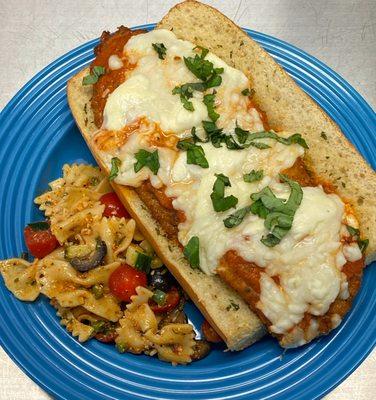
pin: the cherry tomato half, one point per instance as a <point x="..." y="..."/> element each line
<point x="172" y="300"/>
<point x="39" y="239"/>
<point x="210" y="334"/>
<point x="124" y="280"/>
<point x="113" y="206"/>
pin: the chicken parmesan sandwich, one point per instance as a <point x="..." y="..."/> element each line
<point x="248" y="191"/>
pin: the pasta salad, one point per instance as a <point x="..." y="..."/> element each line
<point x="101" y="275"/>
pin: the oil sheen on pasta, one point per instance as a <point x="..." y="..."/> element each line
<point x="308" y="260"/>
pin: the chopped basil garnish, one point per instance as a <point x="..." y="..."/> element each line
<point x="39" y="226"/>
<point x="159" y="297"/>
<point x="246" y="92"/>
<point x="278" y="213"/>
<point x="210" y="77"/>
<point x="353" y="231"/>
<point x="362" y="243"/>
<point x="195" y="153"/>
<point x="92" y="78"/>
<point x="186" y="92"/>
<point x="204" y="51"/>
<point x="197" y="138"/>
<point x="324" y="135"/>
<point x="192" y="252"/>
<point x="220" y="202"/>
<point x="143" y="262"/>
<point x="241" y="134"/>
<point x="253" y="176"/>
<point x="209" y="102"/>
<point x="237" y="217"/>
<point x="204" y="69"/>
<point x="115" y="164"/>
<point x="160" y="48"/>
<point x="147" y="159"/>
<point x="248" y="139"/>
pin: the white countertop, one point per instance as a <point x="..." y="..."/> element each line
<point x="340" y="33"/>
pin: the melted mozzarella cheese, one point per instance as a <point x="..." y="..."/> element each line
<point x="308" y="260"/>
<point x="148" y="89"/>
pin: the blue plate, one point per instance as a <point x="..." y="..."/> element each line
<point x="37" y="136"/>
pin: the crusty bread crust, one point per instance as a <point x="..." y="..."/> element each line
<point x="238" y="328"/>
<point x="287" y="107"/>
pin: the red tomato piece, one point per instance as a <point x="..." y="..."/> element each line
<point x="124" y="280"/>
<point x="172" y="300"/>
<point x="113" y="206"/>
<point x="107" y="337"/>
<point x="39" y="239"/>
<point x="210" y="334"/>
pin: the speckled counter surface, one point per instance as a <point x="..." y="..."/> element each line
<point x="340" y="33"/>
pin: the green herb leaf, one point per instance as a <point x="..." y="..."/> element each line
<point x="186" y="92"/>
<point x="147" y="159"/>
<point x="251" y="137"/>
<point x="188" y="105"/>
<point x="115" y="164"/>
<point x="237" y="217"/>
<point x="192" y="252"/>
<point x="204" y="69"/>
<point x="214" y="80"/>
<point x="93" y="77"/>
<point x="195" y="153"/>
<point x="324" y="135"/>
<point x="199" y="67"/>
<point x="39" y="226"/>
<point x="159" y="297"/>
<point x="160" y="48"/>
<point x="253" y="176"/>
<point x="353" y="231"/>
<point x="204" y="51"/>
<point x="143" y="262"/>
<point x="241" y="134"/>
<point x="259" y="145"/>
<point x="259" y="209"/>
<point x="209" y="100"/>
<point x="270" y="240"/>
<point x="278" y="213"/>
<point x="363" y="244"/>
<point x="196" y="138"/>
<point x="221" y="203"/>
<point x="246" y="92"/>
